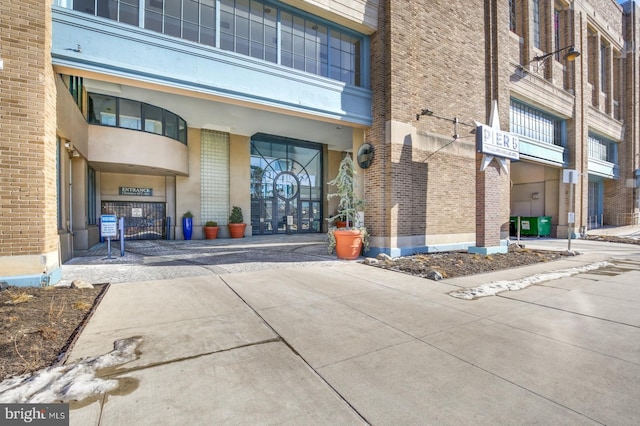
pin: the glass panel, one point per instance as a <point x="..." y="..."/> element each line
<point x="86" y="6"/>
<point x="190" y="31"/>
<point x="153" y="21"/>
<point x="170" y="125"/>
<point x="108" y="9"/>
<point x="182" y="130"/>
<point x="172" y="26"/>
<point x="190" y="11"/>
<point x="130" y="114"/>
<point x="207" y="16"/>
<point x="129" y="14"/>
<point x="207" y="36"/>
<point x="172" y="8"/>
<point x="154" y="5"/>
<point x="152" y="118"/>
<point x="102" y="110"/>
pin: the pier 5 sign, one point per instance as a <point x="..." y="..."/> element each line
<point x="494" y="141"/>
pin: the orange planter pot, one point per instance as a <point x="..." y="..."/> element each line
<point x="348" y="243"/>
<point x="211" y="232"/>
<point x="237" y="229"/>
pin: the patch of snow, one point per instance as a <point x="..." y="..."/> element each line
<point x="72" y="382"/>
<point x="493" y="288"/>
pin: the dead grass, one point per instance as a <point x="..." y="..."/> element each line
<point x="38" y="324"/>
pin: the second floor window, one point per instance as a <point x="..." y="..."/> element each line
<point x="276" y="34"/>
<point x="536" y="124"/>
<point x="601" y="148"/>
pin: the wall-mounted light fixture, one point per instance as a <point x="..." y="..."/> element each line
<point x="453" y="120"/>
<point x="571" y="55"/>
<point x="1" y="64"/>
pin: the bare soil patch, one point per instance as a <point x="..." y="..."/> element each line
<point x="38" y="325"/>
<point x="456" y="264"/>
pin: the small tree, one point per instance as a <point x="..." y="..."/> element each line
<point x="348" y="202"/>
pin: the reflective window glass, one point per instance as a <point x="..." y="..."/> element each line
<point x="129" y="114"/>
<point x="152" y="118"/>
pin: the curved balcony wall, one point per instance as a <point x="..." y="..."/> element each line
<point x="130" y="151"/>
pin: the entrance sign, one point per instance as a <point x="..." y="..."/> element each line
<point x="130" y="190"/>
<point x="109" y="226"/>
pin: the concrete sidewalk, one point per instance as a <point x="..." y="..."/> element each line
<point x="329" y="342"/>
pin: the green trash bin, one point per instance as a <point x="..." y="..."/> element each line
<point x="536" y="226"/>
<point x="544" y="226"/>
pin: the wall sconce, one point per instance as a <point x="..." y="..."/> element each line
<point x="570" y="56"/>
<point x="535" y="196"/>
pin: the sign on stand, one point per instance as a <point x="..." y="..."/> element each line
<point x="109" y="229"/>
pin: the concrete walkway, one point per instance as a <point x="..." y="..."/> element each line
<point x="273" y="341"/>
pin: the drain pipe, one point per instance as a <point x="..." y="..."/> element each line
<point x="70" y="227"/>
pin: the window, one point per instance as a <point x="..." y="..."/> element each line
<point x="603" y="67"/>
<point x="305" y="45"/>
<point x="102" y="110"/>
<point x="125" y="11"/>
<point x="91" y="197"/>
<point x="601" y="148"/>
<point x="248" y="27"/>
<point x="535" y="124"/>
<point x="152" y="116"/>
<point x="536" y="23"/>
<point x="556" y="32"/>
<point x="75" y="86"/>
<point x="128" y="114"/>
<point x="513" y="16"/>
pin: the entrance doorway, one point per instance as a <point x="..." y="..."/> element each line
<point x="142" y="221"/>
<point x="286" y="186"/>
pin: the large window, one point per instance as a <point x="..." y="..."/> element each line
<point x="111" y="111"/>
<point x="536" y="23"/>
<point x="126" y="11"/>
<point x="535" y="124"/>
<point x="513" y="14"/>
<point x="604" y="61"/>
<point x="557" y="28"/>
<point x="601" y="148"/>
<point x="277" y="34"/>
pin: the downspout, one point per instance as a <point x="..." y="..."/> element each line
<point x="70" y="227"/>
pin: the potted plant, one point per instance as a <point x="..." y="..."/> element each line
<point x="350" y="240"/>
<point x="187" y="225"/>
<point x="211" y="230"/>
<point x="236" y="223"/>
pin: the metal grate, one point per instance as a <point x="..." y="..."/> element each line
<point x="142" y="221"/>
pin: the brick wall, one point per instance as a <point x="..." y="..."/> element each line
<point x="432" y="57"/>
<point x="28" y="204"/>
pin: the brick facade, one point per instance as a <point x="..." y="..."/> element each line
<point x="422" y="185"/>
<point x="28" y="224"/>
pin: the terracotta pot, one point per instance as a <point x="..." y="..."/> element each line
<point x="211" y="232"/>
<point x="348" y="243"/>
<point x="341" y="224"/>
<point x="236" y="230"/>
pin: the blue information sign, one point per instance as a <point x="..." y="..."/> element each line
<point x="109" y="225"/>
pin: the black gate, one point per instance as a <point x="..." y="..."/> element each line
<point x="142" y="221"/>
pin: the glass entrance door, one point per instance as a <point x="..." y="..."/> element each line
<point x="286" y="189"/>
